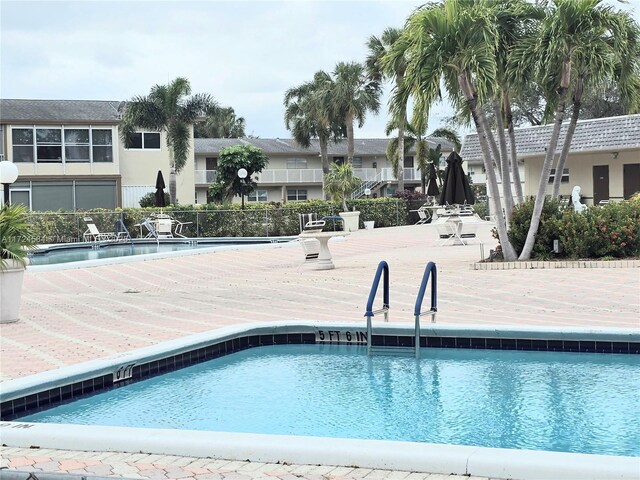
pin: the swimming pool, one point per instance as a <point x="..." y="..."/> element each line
<point x="68" y="253"/>
<point x="435" y="380"/>
<point x="557" y="401"/>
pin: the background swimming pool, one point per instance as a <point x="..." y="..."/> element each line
<point x="569" y="402"/>
<point x="79" y="254"/>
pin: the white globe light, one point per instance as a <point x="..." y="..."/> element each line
<point x="8" y="172"/>
<point x="242" y="173"/>
<point x="367" y="191"/>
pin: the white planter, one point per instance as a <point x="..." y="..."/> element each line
<point x="351" y="221"/>
<point x="369" y="225"/>
<point x="11" y="278"/>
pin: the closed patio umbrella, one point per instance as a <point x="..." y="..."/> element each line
<point x="432" y="182"/>
<point x="455" y="188"/>
<point x="159" y="200"/>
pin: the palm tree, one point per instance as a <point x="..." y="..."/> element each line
<point x="352" y="95"/>
<point x="611" y="56"/>
<point x="168" y="109"/>
<point x="308" y="115"/>
<point x="567" y="33"/>
<point x="222" y="123"/>
<point x="454" y="41"/>
<point x="514" y="20"/>
<point x="396" y="67"/>
<point x="340" y="182"/>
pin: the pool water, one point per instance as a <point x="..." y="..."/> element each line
<point x="79" y="254"/>
<point x="568" y="402"/>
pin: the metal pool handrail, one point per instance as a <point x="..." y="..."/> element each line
<point x="383" y="267"/>
<point x="429" y="271"/>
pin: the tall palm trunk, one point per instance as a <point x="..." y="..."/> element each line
<point x="504" y="163"/>
<point x="324" y="157"/>
<point x="483" y="131"/>
<point x="173" y="178"/>
<point x="577" y="103"/>
<point x="400" y="172"/>
<point x="350" y="140"/>
<point x="548" y="163"/>
<point x="401" y="128"/>
<point x="512" y="140"/>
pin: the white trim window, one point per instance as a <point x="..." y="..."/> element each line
<point x="23" y="148"/>
<point x="296" y="194"/>
<point x="102" y="141"/>
<point x="257" y="196"/>
<point x="49" y="145"/>
<point x="61" y="144"/>
<point x="296" y="163"/>
<point x="357" y="162"/>
<point x="565" y="175"/>
<point x="145" y="141"/>
<point x="76" y="145"/>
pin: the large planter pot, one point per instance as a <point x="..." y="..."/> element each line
<point x="351" y="221"/>
<point x="11" y="278"/>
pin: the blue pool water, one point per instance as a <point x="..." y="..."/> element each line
<point x="79" y="254"/>
<point x="580" y="402"/>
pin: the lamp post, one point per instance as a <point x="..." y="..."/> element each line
<point x="367" y="192"/>
<point x="8" y="175"/>
<point x="242" y="174"/>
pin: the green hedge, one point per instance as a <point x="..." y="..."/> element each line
<point x="607" y="231"/>
<point x="212" y="220"/>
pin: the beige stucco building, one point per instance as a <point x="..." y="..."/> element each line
<point x="70" y="156"/>
<point x="604" y="159"/>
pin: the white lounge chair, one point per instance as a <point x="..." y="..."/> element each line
<point x="93" y="234"/>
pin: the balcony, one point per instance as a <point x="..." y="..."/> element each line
<point x="302" y="176"/>
<point x="205" y="177"/>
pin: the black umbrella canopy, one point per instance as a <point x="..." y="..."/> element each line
<point x="455" y="188"/>
<point x="432" y="182"/>
<point x="160" y="191"/>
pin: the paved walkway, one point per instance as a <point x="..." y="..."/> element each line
<point x="141" y="465"/>
<point x="70" y="316"/>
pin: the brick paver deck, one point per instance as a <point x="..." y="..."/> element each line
<point x="70" y="316"/>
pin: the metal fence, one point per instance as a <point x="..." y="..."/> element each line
<point x="65" y="227"/>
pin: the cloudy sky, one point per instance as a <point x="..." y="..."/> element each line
<point x="244" y="53"/>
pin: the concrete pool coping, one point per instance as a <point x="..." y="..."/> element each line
<point x="432" y="458"/>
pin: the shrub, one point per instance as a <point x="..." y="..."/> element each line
<point x="547" y="231"/>
<point x="149" y="200"/>
<point x="611" y="230"/>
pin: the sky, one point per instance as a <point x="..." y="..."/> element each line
<point x="246" y="54"/>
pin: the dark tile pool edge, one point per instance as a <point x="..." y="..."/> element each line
<point x="132" y="369"/>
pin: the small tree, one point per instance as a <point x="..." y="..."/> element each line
<point x="340" y="182"/>
<point x="232" y="159"/>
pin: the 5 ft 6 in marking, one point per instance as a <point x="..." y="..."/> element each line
<point x="340" y="336"/>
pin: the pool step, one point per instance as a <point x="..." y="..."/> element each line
<point x="397" y="351"/>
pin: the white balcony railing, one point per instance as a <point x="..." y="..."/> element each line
<point x="408" y="174"/>
<point x="203" y="177"/>
<point x="283" y="176"/>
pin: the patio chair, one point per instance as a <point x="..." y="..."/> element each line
<point x="311" y="248"/>
<point x="93" y="234"/>
<point x="163" y="227"/>
<point x="423" y="214"/>
<point x="151" y="231"/>
<point x="305" y="218"/>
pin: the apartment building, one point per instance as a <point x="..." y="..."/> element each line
<point x="70" y="156"/>
<point x="295" y="173"/>
<point x="604" y="158"/>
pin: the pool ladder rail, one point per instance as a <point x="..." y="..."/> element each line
<point x="383" y="270"/>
